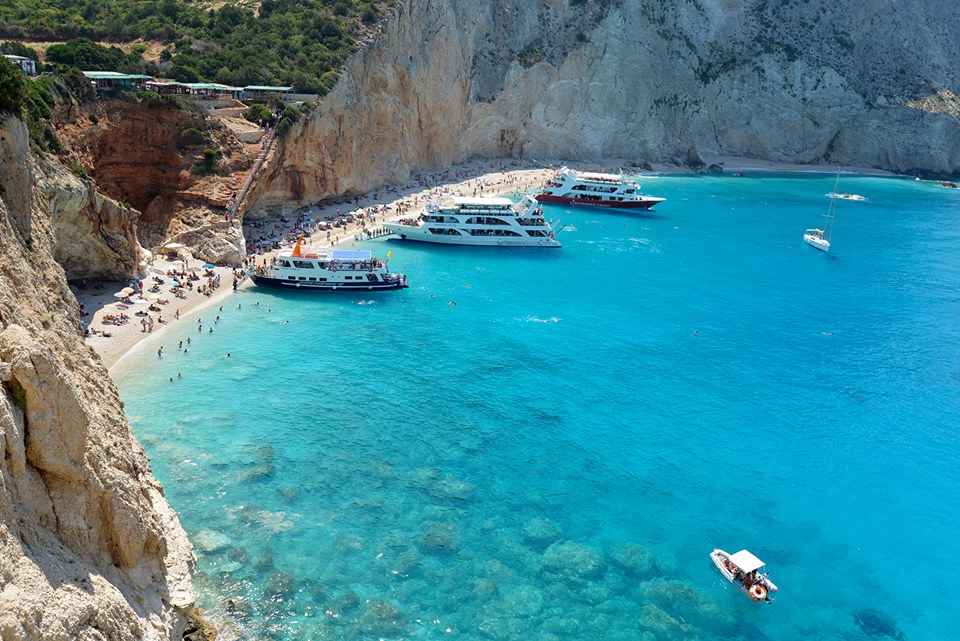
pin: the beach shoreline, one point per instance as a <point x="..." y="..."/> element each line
<point x="475" y="178"/>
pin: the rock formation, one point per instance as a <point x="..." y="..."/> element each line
<point x="95" y="236"/>
<point x="137" y="151"/>
<point x="839" y="82"/>
<point x="89" y="547"/>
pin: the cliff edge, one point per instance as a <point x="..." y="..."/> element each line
<point x="89" y="547"/>
<point x="802" y="82"/>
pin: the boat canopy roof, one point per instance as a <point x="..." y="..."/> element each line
<point x="351" y="254"/>
<point x="591" y="175"/>
<point x="745" y="560"/>
<point x="482" y="201"/>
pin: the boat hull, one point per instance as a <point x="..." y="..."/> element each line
<point x="817" y="242"/>
<point x="420" y="234"/>
<point x="266" y="281"/>
<point x="608" y="204"/>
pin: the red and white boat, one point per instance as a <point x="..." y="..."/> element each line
<point x="590" y="189"/>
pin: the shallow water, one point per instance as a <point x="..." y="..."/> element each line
<point x="556" y="455"/>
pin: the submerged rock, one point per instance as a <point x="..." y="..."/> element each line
<point x="381" y="618"/>
<point x="635" y="559"/>
<point x="539" y="533"/>
<point x="280" y="583"/>
<point x="877" y="624"/>
<point x="684" y="603"/>
<point x="343" y="604"/>
<point x="211" y="541"/>
<point x="442" y="538"/>
<point x="573" y="561"/>
<point x="259" y="472"/>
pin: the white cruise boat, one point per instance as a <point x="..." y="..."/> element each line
<point x="569" y="187"/>
<point x="496" y="222"/>
<point x="339" y="270"/>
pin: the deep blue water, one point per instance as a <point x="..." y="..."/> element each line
<point x="555" y="456"/>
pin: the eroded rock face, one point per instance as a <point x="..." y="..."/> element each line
<point x="89" y="547"/>
<point x="96" y="237"/>
<point x="801" y="82"/>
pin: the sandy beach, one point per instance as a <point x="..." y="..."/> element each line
<point x="476" y="178"/>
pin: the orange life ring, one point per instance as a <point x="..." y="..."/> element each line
<point x="758" y="592"/>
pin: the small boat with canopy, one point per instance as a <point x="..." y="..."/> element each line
<point x="746" y="572"/>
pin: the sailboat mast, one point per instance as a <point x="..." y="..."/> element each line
<point x="831" y="210"/>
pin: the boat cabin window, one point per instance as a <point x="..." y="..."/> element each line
<point x="283" y="263"/>
<point x="372" y="278"/>
<point x="629" y="191"/>
<point x="303" y="264"/>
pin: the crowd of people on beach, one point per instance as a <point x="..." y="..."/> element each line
<point x="349" y="217"/>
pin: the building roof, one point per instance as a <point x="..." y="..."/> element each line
<point x="114" y="75"/>
<point x="267" y="88"/>
<point x="10" y="56"/>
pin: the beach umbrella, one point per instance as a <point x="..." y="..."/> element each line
<point x="209" y="266"/>
<point x="153" y="296"/>
<point x="128" y="290"/>
<point x="121" y="294"/>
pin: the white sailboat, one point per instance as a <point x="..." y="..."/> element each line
<point x="820" y="238"/>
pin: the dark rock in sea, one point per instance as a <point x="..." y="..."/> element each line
<point x="343" y="604"/>
<point x="540" y="533"/>
<point x="238" y="607"/>
<point x="715" y="168"/>
<point x="877" y="624"/>
<point x="265" y="454"/>
<point x="265" y="562"/>
<point x="259" y="472"/>
<point x="442" y="538"/>
<point x="238" y="554"/>
<point x="635" y="560"/>
<point x="290" y="492"/>
<point x="383" y="619"/>
<point x="573" y="561"/>
<point x="280" y="584"/>
<point x="406" y="567"/>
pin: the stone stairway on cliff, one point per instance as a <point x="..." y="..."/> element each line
<point x="239" y="199"/>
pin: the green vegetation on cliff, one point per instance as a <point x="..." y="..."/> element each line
<point x="301" y="43"/>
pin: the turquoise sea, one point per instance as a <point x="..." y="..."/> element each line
<point x="555" y="456"/>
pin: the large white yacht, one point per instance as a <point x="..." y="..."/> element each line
<point x="569" y="187"/>
<point x="496" y="222"/>
<point x="339" y="270"/>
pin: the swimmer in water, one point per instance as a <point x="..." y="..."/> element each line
<point x="453" y="303"/>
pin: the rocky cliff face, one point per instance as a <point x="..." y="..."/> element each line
<point x="135" y="152"/>
<point x="89" y="547"/>
<point x="95" y="237"/>
<point x="782" y="80"/>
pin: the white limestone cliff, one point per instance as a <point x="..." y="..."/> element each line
<point x="447" y="80"/>
<point x="89" y="547"/>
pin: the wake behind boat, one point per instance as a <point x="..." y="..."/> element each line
<point x="495" y="222"/>
<point x="746" y="572"/>
<point x="569" y="187"/>
<point x="343" y="270"/>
